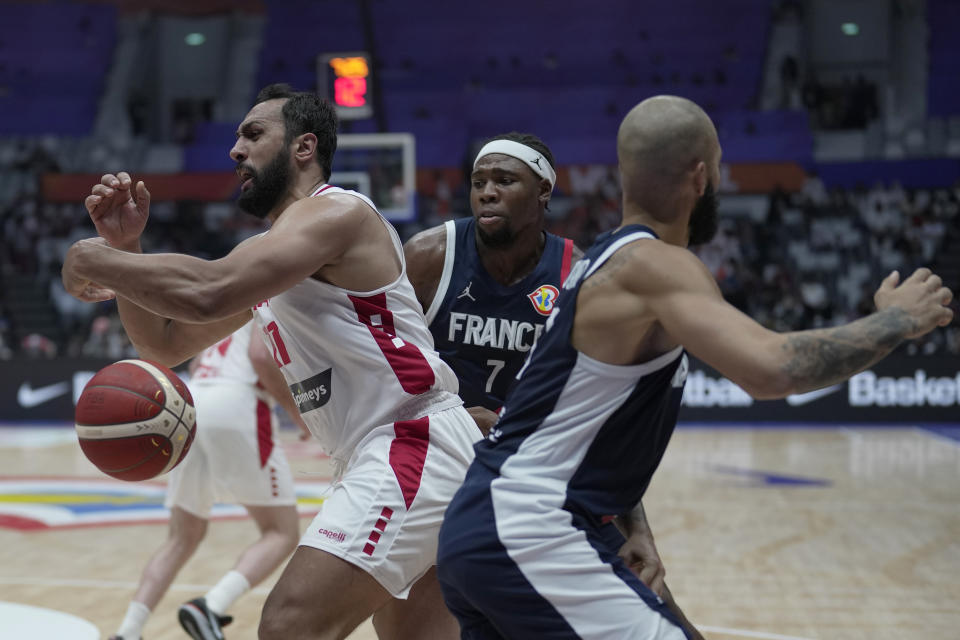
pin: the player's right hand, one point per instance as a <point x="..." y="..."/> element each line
<point x="119" y="210"/>
<point x="922" y="296"/>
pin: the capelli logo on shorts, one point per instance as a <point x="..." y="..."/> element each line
<point x="338" y="536"/>
<point x="312" y="393"/>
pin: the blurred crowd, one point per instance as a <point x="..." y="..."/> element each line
<point x="814" y="259"/>
<point x="818" y="256"/>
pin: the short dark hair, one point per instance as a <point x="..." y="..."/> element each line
<point x="530" y="140"/>
<point x="305" y="112"/>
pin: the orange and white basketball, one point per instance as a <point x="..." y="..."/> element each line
<point x="135" y="420"/>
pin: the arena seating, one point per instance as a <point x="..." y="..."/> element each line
<point x="53" y="62"/>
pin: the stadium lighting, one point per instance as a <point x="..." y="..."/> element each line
<point x="850" y="28"/>
<point x="195" y="39"/>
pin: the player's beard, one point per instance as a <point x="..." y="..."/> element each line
<point x="269" y="185"/>
<point x="703" y="218"/>
<point x="499" y="239"/>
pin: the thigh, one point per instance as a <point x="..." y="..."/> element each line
<point x="189" y="484"/>
<point x="422" y="616"/>
<point x="321" y="596"/>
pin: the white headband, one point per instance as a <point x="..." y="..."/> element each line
<point x="528" y="155"/>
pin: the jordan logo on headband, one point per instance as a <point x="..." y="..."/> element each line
<point x="520" y="152"/>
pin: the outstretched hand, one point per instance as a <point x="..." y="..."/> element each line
<point x="119" y="210"/>
<point x="922" y="296"/>
<point x="78" y="286"/>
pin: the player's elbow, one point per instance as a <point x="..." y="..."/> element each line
<point x="166" y="356"/>
<point x="769" y="384"/>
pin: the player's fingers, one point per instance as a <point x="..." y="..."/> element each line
<point x="891" y="281"/>
<point x="945" y="296"/>
<point x="946" y="317"/>
<point x="920" y="275"/>
<point x="124" y="179"/>
<point x="109" y="180"/>
<point x="105" y="193"/>
<point x="94" y="293"/>
<point x="91" y="203"/>
<point x="647" y="573"/>
<point x="934" y="282"/>
<point x="658" y="585"/>
<point x="143" y="196"/>
<point x="651" y="576"/>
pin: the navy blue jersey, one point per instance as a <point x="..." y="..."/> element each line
<point x="483" y="329"/>
<point x="590" y="433"/>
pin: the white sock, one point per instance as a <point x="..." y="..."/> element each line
<point x="224" y="593"/>
<point x="132" y="625"/>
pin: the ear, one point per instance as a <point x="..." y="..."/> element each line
<point x="305" y="147"/>
<point x="543" y="195"/>
<point x="700" y="178"/>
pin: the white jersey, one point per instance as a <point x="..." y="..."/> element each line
<point x="356" y="360"/>
<point x="227" y="361"/>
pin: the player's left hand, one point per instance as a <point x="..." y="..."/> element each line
<point x="304" y="434"/>
<point x="484" y="418"/>
<point x="78" y="286"/>
<point x="640" y="554"/>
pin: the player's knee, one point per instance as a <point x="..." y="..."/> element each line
<point x="281" y="616"/>
<point x="189" y="537"/>
<point x="274" y="622"/>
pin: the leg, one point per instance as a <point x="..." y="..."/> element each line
<point x="319" y="597"/>
<point x="421" y="616"/>
<point x="204" y="617"/>
<point x="279" y="532"/>
<point x="186" y="532"/>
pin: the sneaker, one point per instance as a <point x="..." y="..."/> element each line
<point x="201" y="623"/>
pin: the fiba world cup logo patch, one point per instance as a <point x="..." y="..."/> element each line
<point x="544" y="298"/>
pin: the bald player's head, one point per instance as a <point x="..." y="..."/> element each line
<point x="669" y="158"/>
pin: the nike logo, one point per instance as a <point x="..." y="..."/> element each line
<point x="798" y="399"/>
<point x="28" y="397"/>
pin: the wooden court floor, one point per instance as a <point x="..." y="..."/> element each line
<point x="779" y="533"/>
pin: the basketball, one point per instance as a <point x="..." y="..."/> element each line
<point x="135" y="420"/>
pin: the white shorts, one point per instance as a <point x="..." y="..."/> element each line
<point x="235" y="456"/>
<point x="385" y="513"/>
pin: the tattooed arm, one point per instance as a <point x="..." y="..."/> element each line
<point x="677" y="291"/>
<point x="824" y="356"/>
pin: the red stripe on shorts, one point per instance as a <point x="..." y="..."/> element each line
<point x="407" y="454"/>
<point x="264" y="431"/>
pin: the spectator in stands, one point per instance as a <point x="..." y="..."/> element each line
<point x="813" y="193"/>
<point x="5" y="351"/>
<point x="35" y="345"/>
<point x="108" y="340"/>
<point x="74" y="315"/>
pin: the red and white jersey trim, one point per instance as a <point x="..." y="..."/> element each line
<point x="356" y="360"/>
